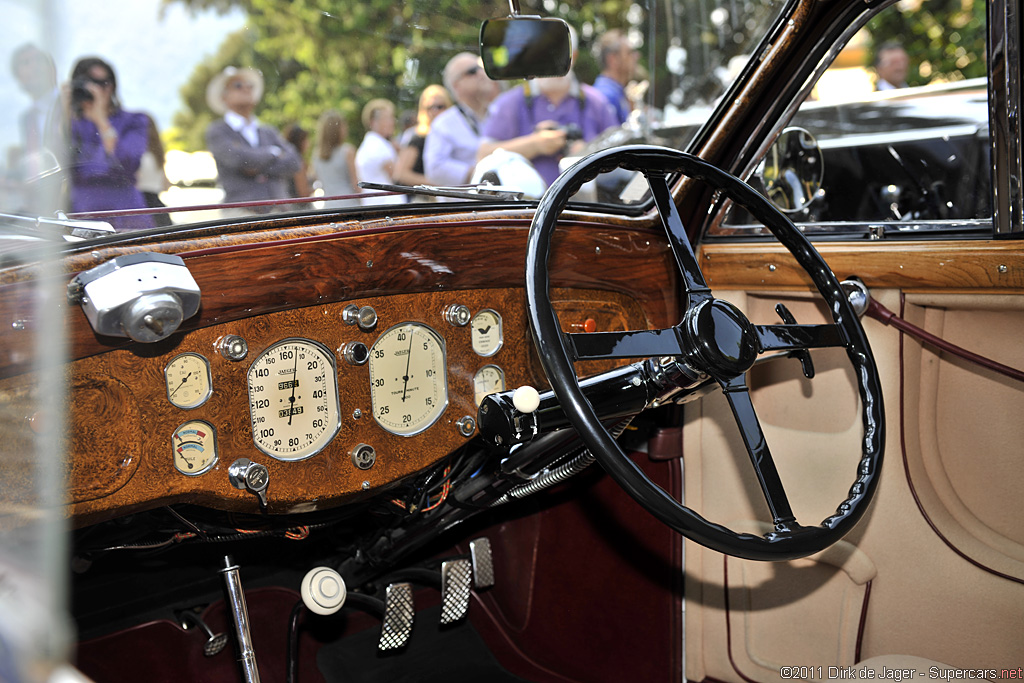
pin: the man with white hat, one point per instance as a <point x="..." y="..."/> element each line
<point x="254" y="162"/>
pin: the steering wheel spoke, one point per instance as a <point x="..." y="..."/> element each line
<point x="798" y="337"/>
<point x="738" y="395"/>
<point x="693" y="279"/>
<point x="630" y="344"/>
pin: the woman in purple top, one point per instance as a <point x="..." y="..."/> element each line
<point x="107" y="143"/>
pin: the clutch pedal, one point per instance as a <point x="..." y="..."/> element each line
<point x="456" y="581"/>
<point x="398" y="617"/>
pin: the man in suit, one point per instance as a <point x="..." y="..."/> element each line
<point x="254" y="162"/>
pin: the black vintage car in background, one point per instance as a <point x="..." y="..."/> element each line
<point x="652" y="427"/>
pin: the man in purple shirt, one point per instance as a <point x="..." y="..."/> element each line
<point x="449" y="153"/>
<point x="536" y="120"/>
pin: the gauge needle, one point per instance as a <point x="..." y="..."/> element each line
<point x="291" y="399"/>
<point x="484" y="330"/>
<point x="183" y="380"/>
<point x="405" y="378"/>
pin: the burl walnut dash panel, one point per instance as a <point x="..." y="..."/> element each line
<point x="120" y="446"/>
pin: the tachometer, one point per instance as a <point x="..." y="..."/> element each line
<point x="293" y="399"/>
<point x="408" y="379"/>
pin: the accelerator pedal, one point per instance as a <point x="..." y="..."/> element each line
<point x="483" y="562"/>
<point x="398" y="617"/>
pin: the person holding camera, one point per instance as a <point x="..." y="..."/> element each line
<point x="546" y="119"/>
<point x="106" y="146"/>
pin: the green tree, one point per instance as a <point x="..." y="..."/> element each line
<point x="944" y="38"/>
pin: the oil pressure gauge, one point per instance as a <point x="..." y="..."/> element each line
<point x="188" y="381"/>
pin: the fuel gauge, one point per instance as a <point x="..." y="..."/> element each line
<point x="195" y="447"/>
<point x="188" y="380"/>
<point x="488" y="380"/>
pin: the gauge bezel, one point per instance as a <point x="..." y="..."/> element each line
<point x="209" y="381"/>
<point x="501" y="373"/>
<point x="329" y="355"/>
<point x="209" y="465"/>
<point x="443" y="406"/>
<point x="501" y="332"/>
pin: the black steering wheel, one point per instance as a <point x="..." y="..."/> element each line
<point x="713" y="338"/>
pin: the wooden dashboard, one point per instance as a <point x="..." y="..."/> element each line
<point x="122" y="426"/>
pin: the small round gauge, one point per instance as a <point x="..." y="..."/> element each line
<point x="195" y="447"/>
<point x="408" y="379"/>
<point x="488" y="380"/>
<point x="293" y="399"/>
<point x="188" y="380"/>
<point x="487" y="334"/>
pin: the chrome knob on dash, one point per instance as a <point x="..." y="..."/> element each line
<point x="250" y="476"/>
<point x="365" y="317"/>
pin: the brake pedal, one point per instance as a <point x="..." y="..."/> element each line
<point x="398" y="617"/>
<point x="456" y="581"/>
<point x="483" y="562"/>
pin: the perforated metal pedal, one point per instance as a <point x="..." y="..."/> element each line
<point x="456" y="581"/>
<point x="398" y="617"/>
<point x="483" y="562"/>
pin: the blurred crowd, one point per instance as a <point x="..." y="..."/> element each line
<point x="466" y="129"/>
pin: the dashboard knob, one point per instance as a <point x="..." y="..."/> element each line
<point x="526" y="399"/>
<point x="250" y="476"/>
<point x="365" y="317"/>
<point x="457" y="315"/>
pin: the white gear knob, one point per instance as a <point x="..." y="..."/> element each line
<point x="526" y="399"/>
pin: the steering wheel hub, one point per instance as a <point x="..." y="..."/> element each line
<point x="724" y="342"/>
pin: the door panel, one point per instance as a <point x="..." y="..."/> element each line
<point x="933" y="570"/>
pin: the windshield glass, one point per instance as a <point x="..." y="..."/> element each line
<point x="232" y="108"/>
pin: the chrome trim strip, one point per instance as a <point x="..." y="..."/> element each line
<point x="1005" y="112"/>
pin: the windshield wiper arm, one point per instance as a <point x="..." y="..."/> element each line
<point x="479" y="192"/>
<point x="62" y="226"/>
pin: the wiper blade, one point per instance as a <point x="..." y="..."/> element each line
<point x="61" y="226"/>
<point x="479" y="192"/>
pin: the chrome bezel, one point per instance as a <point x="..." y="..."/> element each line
<point x="209" y="381"/>
<point x="501" y="373"/>
<point x="443" y="406"/>
<point x="334" y="429"/>
<point x="501" y="332"/>
<point x="209" y="465"/>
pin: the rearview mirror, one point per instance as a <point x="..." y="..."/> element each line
<point x="525" y="47"/>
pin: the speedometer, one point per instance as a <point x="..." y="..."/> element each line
<point x="293" y="399"/>
<point x="408" y="379"/>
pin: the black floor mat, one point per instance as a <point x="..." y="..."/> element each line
<point x="453" y="654"/>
